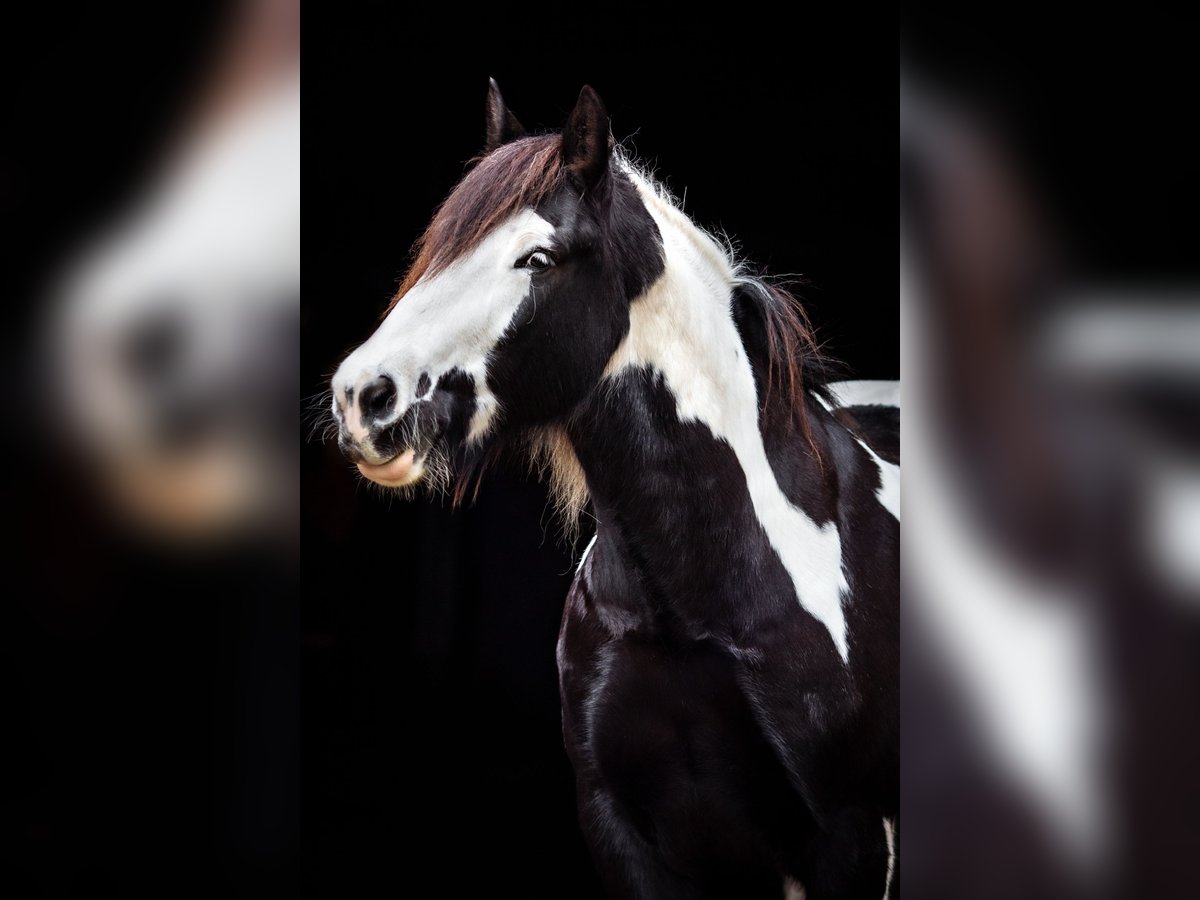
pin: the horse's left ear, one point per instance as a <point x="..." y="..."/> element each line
<point x="587" y="141"/>
<point x="502" y="125"/>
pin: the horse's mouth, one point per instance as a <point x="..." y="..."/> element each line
<point x="402" y="452"/>
<point x="400" y="471"/>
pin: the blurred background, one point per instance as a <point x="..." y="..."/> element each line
<point x="149" y="202"/>
<point x="1051" y="334"/>
<point x="431" y="727"/>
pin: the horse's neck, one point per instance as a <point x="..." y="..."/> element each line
<point x="683" y="328"/>
<point x="675" y="460"/>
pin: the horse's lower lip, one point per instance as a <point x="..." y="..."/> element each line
<point x="396" y="472"/>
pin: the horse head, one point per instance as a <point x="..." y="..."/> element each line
<point x="518" y="295"/>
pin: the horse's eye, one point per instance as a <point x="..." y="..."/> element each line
<point x="538" y="261"/>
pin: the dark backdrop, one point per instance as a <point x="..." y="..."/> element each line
<point x="431" y="730"/>
<point x="149" y="696"/>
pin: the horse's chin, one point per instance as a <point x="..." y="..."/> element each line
<point x="400" y="471"/>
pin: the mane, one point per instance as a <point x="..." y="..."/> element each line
<point x="796" y="362"/>
<point x="514" y="176"/>
<point x="522" y="174"/>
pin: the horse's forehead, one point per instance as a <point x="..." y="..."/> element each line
<point x="525" y="227"/>
<point x="522" y="231"/>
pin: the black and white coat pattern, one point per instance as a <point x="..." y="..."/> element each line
<point x="729" y="649"/>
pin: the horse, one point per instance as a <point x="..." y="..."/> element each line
<point x="729" y="649"/>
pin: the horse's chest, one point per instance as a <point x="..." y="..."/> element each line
<point x="666" y="731"/>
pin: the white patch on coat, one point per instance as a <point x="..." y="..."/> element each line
<point x="680" y="327"/>
<point x="866" y="393"/>
<point x="888" y="492"/>
<point x="871" y="393"/>
<point x="452" y="320"/>
<point x="586" y="552"/>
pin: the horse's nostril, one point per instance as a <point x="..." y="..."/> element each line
<point x="151" y="348"/>
<point x="377" y="397"/>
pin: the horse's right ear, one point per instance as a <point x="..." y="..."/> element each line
<point x="587" y="141"/>
<point x="502" y="125"/>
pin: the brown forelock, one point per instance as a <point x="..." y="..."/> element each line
<point x="512" y="177"/>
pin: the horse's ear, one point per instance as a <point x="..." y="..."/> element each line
<point x="587" y="141"/>
<point x="502" y="125"/>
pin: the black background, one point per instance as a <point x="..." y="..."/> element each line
<point x="432" y="742"/>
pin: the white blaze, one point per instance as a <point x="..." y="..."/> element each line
<point x="452" y="320"/>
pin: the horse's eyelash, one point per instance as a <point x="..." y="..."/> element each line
<point x="524" y="257"/>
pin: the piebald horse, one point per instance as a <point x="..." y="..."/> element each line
<point x="729" y="649"/>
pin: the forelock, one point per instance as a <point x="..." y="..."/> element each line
<point x="513" y="177"/>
